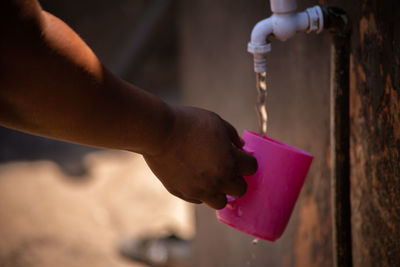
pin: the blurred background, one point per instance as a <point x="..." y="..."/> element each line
<point x="68" y="205"/>
<point x="63" y="204"/>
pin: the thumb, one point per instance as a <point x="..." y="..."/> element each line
<point x="233" y="135"/>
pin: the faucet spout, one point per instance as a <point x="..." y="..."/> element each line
<point x="259" y="44"/>
<point x="261" y="31"/>
<point x="282" y="26"/>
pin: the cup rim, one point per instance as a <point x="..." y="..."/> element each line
<point x="278" y="143"/>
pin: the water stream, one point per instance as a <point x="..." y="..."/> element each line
<point x="261" y="108"/>
<point x="261" y="105"/>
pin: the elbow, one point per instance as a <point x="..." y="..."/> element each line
<point x="261" y="31"/>
<point x="21" y="27"/>
<point x="21" y="21"/>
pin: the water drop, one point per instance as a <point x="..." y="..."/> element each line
<point x="240" y="212"/>
<point x="255" y="241"/>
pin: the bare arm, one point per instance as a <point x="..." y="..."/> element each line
<point x="52" y="84"/>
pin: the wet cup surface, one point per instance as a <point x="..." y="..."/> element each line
<point x="272" y="191"/>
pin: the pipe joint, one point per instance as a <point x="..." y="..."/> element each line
<point x="286" y="25"/>
<point x="260" y="53"/>
<point x="316" y="19"/>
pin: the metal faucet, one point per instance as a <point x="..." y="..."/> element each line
<point x="283" y="24"/>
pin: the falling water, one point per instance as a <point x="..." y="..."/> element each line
<point x="261" y="106"/>
<point x="252" y="258"/>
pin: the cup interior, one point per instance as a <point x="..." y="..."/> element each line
<point x="279" y="144"/>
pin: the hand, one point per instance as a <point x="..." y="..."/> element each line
<point x="202" y="159"/>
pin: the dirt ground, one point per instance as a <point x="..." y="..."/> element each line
<point x="48" y="219"/>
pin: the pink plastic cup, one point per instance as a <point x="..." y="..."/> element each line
<point x="272" y="191"/>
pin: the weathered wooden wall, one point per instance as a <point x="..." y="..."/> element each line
<point x="375" y="132"/>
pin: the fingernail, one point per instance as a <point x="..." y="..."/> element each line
<point x="249" y="150"/>
<point x="230" y="198"/>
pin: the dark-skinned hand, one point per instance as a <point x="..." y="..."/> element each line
<point x="202" y="160"/>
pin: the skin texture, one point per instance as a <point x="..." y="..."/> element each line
<point x="53" y="85"/>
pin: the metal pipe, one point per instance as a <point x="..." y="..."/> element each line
<point x="337" y="22"/>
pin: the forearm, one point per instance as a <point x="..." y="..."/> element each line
<point x="53" y="85"/>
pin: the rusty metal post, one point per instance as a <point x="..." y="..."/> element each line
<point x="337" y="22"/>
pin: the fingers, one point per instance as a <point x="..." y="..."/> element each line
<point x="216" y="201"/>
<point x="181" y="196"/>
<point x="246" y="164"/>
<point x="233" y="135"/>
<point x="192" y="200"/>
<point x="236" y="187"/>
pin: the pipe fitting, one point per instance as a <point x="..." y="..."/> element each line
<point x="316" y="19"/>
<point x="286" y="25"/>
<point x="260" y="53"/>
<point x="286" y="6"/>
